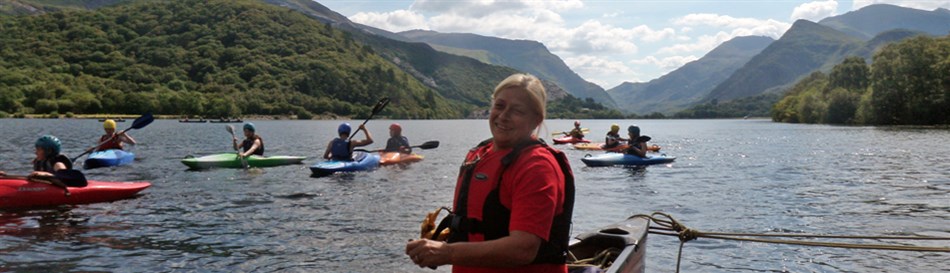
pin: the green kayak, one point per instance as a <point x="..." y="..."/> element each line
<point x="230" y="160"/>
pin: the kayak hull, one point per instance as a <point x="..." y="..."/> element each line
<point x="108" y="158"/>
<point x="627" y="240"/>
<point x="230" y="160"/>
<point x="611" y="159"/>
<point x="599" y="146"/>
<point x="392" y="158"/>
<point x="361" y="162"/>
<point x="569" y="140"/>
<point x="20" y="193"/>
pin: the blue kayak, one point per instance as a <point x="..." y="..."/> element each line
<point x="108" y="158"/>
<point x="361" y="162"/>
<point x="610" y="159"/>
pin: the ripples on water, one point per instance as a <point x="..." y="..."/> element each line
<point x="730" y="176"/>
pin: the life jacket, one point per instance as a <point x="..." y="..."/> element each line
<point x="249" y="142"/>
<point x="611" y="137"/>
<point x="340" y="150"/>
<point x="47" y="165"/>
<point x="393" y="144"/>
<point x="114" y="143"/>
<point x="496" y="217"/>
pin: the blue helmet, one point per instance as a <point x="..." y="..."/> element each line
<point x="250" y="127"/>
<point x="50" y="144"/>
<point x="633" y="129"/>
<point x="343" y="129"/>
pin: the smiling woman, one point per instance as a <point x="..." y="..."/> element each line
<point x="517" y="218"/>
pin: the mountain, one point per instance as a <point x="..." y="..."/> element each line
<point x="806" y="46"/>
<point x="238" y="62"/>
<point x="529" y="56"/>
<point x="872" y="20"/>
<point x="690" y="83"/>
<point x="215" y="58"/>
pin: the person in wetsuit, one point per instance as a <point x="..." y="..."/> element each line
<point x="252" y="144"/>
<point x="397" y="142"/>
<point x="341" y="148"/>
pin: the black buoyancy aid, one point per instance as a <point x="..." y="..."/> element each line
<point x="496" y="217"/>
<point x="249" y="142"/>
<point x="47" y="165"/>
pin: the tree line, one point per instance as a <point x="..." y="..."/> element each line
<point x="907" y="83"/>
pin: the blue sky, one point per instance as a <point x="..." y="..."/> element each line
<point x="608" y="42"/>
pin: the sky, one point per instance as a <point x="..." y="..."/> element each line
<point x="608" y="42"/>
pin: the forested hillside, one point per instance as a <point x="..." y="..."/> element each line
<point x="908" y="83"/>
<point x="213" y="58"/>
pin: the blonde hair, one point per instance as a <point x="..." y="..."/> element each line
<point x="530" y="84"/>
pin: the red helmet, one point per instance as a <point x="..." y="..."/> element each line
<point x="395" y="126"/>
<point x="577" y="123"/>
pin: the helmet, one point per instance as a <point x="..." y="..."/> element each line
<point x="50" y="144"/>
<point x="343" y="129"/>
<point x="577" y="123"/>
<point x="614" y="128"/>
<point x="633" y="129"/>
<point x="395" y="126"/>
<point x="108" y="124"/>
<point x="250" y="127"/>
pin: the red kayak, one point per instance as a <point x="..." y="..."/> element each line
<point x="20" y="193"/>
<point x="569" y="140"/>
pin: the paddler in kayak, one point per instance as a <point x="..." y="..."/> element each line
<point x="397" y="142"/>
<point x="49" y="159"/>
<point x="613" y="138"/>
<point x="577" y="132"/>
<point x="341" y="148"/>
<point x="253" y="144"/>
<point x="112" y="140"/>
<point x="514" y="195"/>
<point x="637" y="145"/>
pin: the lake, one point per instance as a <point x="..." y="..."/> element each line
<point x="749" y="176"/>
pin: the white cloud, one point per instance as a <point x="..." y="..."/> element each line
<point x="601" y="71"/>
<point x="815" y="11"/>
<point x="395" y="21"/>
<point x="665" y="63"/>
<point x="485" y="8"/>
<point x="917" y="4"/>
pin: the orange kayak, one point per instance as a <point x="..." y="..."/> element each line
<point x="600" y="147"/>
<point x="390" y="158"/>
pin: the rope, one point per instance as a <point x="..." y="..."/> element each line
<point x="603" y="259"/>
<point x="670" y="227"/>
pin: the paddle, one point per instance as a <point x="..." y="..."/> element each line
<point x="425" y="146"/>
<point x="243" y="160"/>
<point x="376" y="109"/>
<point x="60" y="179"/>
<point x="583" y="130"/>
<point x="138" y="123"/>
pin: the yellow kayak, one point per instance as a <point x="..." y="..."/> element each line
<point x="390" y="158"/>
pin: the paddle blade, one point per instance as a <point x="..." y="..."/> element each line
<point x="230" y="129"/>
<point x="380" y="105"/>
<point x="73" y="178"/>
<point x="143" y="121"/>
<point x="643" y="138"/>
<point x="429" y="145"/>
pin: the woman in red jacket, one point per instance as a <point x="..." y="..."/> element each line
<point x="514" y="197"/>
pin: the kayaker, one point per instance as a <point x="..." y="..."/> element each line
<point x="112" y="140"/>
<point x="341" y="148"/>
<point x="49" y="160"/>
<point x="576" y="133"/>
<point x="397" y="142"/>
<point x="636" y="145"/>
<point x="514" y="196"/>
<point x="613" y="138"/>
<point x="252" y="144"/>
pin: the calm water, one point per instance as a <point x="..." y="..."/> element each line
<point x="730" y="176"/>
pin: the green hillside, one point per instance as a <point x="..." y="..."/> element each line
<point x="213" y="58"/>
<point x="908" y="83"/>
